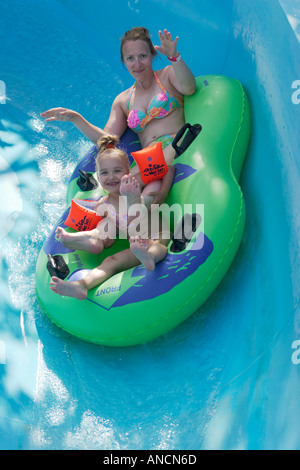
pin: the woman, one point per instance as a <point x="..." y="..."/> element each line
<point x="153" y="106"/>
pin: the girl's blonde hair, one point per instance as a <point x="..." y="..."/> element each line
<point x="107" y="146"/>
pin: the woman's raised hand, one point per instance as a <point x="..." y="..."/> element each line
<point x="167" y="47"/>
<point x="59" y="114"/>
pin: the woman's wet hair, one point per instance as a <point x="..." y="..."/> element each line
<point x="138" y="33"/>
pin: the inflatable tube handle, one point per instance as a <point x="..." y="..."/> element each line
<point x="86" y="181"/>
<point x="184" y="232"/>
<point x="191" y="135"/>
<point x="57" y="266"/>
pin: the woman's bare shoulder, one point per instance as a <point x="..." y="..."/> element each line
<point x="122" y="98"/>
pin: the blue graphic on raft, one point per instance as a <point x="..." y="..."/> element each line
<point x="182" y="172"/>
<point x="167" y="274"/>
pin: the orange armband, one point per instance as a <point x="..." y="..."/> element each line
<point x="81" y="216"/>
<point x="151" y="162"/>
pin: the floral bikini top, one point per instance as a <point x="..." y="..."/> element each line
<point x="160" y="106"/>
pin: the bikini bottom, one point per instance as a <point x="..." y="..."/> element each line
<point x="166" y="141"/>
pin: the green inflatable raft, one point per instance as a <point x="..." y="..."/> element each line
<point x="137" y="306"/>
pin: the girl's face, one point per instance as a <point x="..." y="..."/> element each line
<point x="137" y="58"/>
<point x="110" y="171"/>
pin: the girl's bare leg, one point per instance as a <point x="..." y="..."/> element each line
<point x="86" y="241"/>
<point x="93" y="241"/>
<point x="111" y="265"/>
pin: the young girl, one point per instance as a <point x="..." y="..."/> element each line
<point x="113" y="172"/>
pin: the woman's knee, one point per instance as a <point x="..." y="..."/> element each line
<point x="152" y="187"/>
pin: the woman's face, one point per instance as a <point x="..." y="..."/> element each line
<point x="137" y="58"/>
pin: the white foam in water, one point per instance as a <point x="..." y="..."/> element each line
<point x="11" y="203"/>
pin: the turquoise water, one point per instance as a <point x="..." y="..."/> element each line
<point x="225" y="379"/>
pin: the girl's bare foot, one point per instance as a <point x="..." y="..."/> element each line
<point x="86" y="241"/>
<point x="70" y="289"/>
<point x="130" y="189"/>
<point x="64" y="237"/>
<point x="139" y="248"/>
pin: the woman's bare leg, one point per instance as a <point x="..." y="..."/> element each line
<point x="148" y="252"/>
<point x="153" y="187"/>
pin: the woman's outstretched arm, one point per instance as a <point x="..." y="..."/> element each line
<point x="116" y="124"/>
